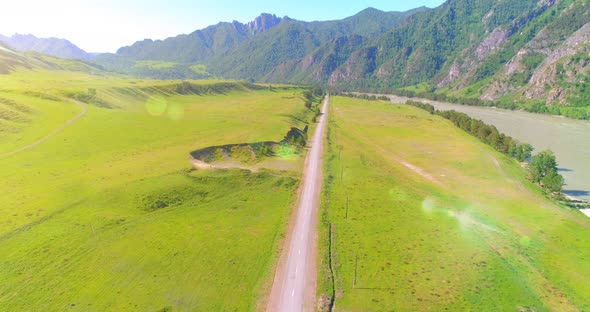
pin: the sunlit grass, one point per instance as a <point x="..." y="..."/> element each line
<point x="107" y="215"/>
<point x="428" y="222"/>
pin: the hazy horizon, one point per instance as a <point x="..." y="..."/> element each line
<point x="136" y="20"/>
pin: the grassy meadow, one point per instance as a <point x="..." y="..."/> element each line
<point x="109" y="215"/>
<point x="424" y="217"/>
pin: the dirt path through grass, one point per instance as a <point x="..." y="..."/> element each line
<point x="417" y="170"/>
<point x="52" y="134"/>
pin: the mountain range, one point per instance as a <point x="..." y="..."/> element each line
<point x="535" y="53"/>
<point x="50" y="46"/>
<point x="244" y="50"/>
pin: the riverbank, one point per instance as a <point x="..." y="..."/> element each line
<point x="567" y="138"/>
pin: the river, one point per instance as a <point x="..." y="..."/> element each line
<point x="569" y="139"/>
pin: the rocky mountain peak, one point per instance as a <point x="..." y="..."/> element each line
<point x="263" y="23"/>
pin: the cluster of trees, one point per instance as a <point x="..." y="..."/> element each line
<point x="309" y="98"/>
<point x="364" y="96"/>
<point x="312" y="95"/>
<point x="189" y="88"/>
<point x="430" y="95"/>
<point x="296" y="137"/>
<point x="484" y="132"/>
<point x="542" y="167"/>
<point x="578" y="111"/>
<point x="543" y="170"/>
<point x="575" y="112"/>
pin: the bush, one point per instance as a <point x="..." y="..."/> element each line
<point x="541" y="165"/>
<point x="553" y="181"/>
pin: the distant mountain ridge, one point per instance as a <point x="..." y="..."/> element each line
<point x="51" y="46"/>
<point x="531" y="54"/>
<point x="14" y="61"/>
<point x="199" y="44"/>
<point x="251" y="50"/>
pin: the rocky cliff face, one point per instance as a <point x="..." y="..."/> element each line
<point x="565" y="65"/>
<point x="488" y="50"/>
<point x="462" y="68"/>
<point x="263" y="23"/>
<point x="552" y="65"/>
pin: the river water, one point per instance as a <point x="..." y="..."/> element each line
<point x="569" y="139"/>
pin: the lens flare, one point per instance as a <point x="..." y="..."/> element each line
<point x="175" y="111"/>
<point x="428" y="205"/>
<point x="463" y="217"/>
<point x="285" y="151"/>
<point x="156" y="106"/>
<point x="525" y="241"/>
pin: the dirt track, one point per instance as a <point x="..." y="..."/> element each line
<point x="47" y="137"/>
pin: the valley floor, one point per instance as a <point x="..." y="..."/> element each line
<point x="109" y="215"/>
<point x="418" y="215"/>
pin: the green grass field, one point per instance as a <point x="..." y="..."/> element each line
<point x="109" y="215"/>
<point x="436" y="221"/>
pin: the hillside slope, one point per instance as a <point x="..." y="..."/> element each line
<point x="51" y="46"/>
<point x="420" y="216"/>
<point x="251" y="50"/>
<point x="112" y="200"/>
<point x="11" y="60"/>
<point x="535" y="52"/>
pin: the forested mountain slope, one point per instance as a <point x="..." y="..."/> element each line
<point x="531" y="54"/>
<point x="245" y="51"/>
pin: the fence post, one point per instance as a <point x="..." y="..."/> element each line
<point x="356" y="262"/>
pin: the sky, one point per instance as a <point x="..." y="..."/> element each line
<point x="106" y="25"/>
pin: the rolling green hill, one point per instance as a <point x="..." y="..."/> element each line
<point x="101" y="207"/>
<point x="13" y="60"/>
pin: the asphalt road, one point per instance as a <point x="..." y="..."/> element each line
<point x="296" y="274"/>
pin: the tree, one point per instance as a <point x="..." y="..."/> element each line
<point x="541" y="165"/>
<point x="553" y="181"/>
<point x="523" y="151"/>
<point x="512" y="149"/>
<point x="317" y="90"/>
